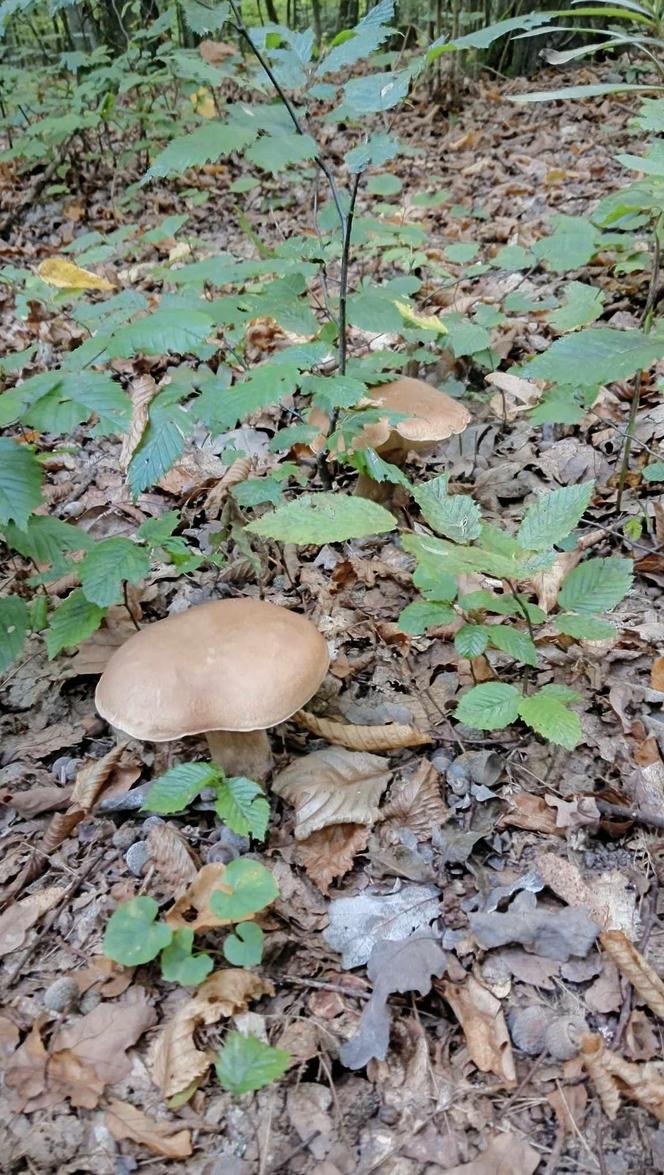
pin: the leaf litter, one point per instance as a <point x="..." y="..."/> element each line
<point x="422" y="867"/>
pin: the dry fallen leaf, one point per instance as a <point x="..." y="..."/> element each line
<point x="417" y="804"/>
<point x="610" y="897"/>
<point x="142" y="391"/>
<point x="91" y="781"/>
<point x="176" y="1061"/>
<point x="362" y="738"/>
<point x="333" y="786"/>
<point x="25" y="1073"/>
<point x="171" y="857"/>
<point x="56" y="271"/>
<point x="506" y="1154"/>
<point x="481" y="1018"/>
<point x="192" y="909"/>
<point x="657" y="674"/>
<point x="330" y="852"/>
<point x="166" y="1139"/>
<point x="514" y="395"/>
<point x="20" y="916"/>
<point x="643" y="978"/>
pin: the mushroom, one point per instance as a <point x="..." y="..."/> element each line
<point x="229" y="670"/>
<point x="429" y="417"/>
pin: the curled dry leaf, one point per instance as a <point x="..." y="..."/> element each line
<point x="330" y="852"/>
<point x="25" y="1073"/>
<point x="91" y="781"/>
<point x="530" y="812"/>
<point x="417" y="804"/>
<point x="362" y="738"/>
<point x="483" y="1023"/>
<point x="643" y="978"/>
<point x="610" y="897"/>
<point x="166" y="1139"/>
<point x="176" y="1062"/>
<point x="142" y="391"/>
<point x="514" y="395"/>
<point x="569" y="1105"/>
<point x="171" y="857"/>
<point x="333" y="786"/>
<point x="20" y="916"/>
<point x="192" y="909"/>
<point x="612" y="1076"/>
<point x="237" y="472"/>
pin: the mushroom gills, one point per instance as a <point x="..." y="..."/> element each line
<point x="245" y="752"/>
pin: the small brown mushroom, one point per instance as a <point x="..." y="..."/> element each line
<point x="229" y="670"/>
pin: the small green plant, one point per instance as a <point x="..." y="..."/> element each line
<point x="508" y="621"/>
<point x="246" y="1063"/>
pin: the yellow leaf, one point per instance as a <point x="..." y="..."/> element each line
<point x="203" y="103"/>
<point x="67" y="276"/>
<point x="423" y="321"/>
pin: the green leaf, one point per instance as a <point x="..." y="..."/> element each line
<point x="553" y="517"/>
<point x="252" y="888"/>
<point x="242" y="805"/>
<point x="513" y="642"/>
<point x="165" y="330"/>
<point x="107" y="565"/>
<point x="654" y="471"/>
<point x="471" y="640"/>
<point x="324" y="518"/>
<point x="375" y="92"/>
<point x="47" y="540"/>
<point x="244" y="948"/>
<point x="489" y="706"/>
<point x="334" y="391"/>
<point x="582" y="305"/>
<point x="464" y="337"/>
<point x="385" y="184"/>
<point x="368" y="461"/>
<point x="274" y="153"/>
<point x="585" y="628"/>
<point x="169" y="424"/>
<point x="457" y="517"/>
<point x="562" y="692"/>
<point x="14" y="624"/>
<point x="175" y="789"/>
<point x="245" y="1063"/>
<point x="378" y="149"/>
<point x="204" y="145"/>
<point x="204" y="18"/>
<point x="596" y="585"/>
<point x="266" y="385"/>
<point x="595" y="356"/>
<point x="505" y="605"/>
<point x="20" y="482"/>
<point x="571" y="245"/>
<point x="417" y="617"/>
<point x="373" y="309"/>
<point x="364" y="39"/>
<point x="133" y="935"/>
<point x="434" y="584"/>
<point x="179" y="965"/>
<point x="547" y="716"/>
<point x="72" y="621"/>
<point x="590" y="91"/>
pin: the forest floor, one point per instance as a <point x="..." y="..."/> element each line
<point x="465" y="1087"/>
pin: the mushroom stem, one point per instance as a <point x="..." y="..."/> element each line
<point x="245" y="752"/>
<point x="366" y="487"/>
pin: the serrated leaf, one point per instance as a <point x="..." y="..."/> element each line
<point x="417" y="617"/>
<point x="165" y="330"/>
<point x="133" y="936"/>
<point x="242" y="805"/>
<point x="582" y="305"/>
<point x="175" y="789"/>
<point x="204" y="145"/>
<point x="20" y="482"/>
<point x="245" y="1063"/>
<point x="244" y="948"/>
<point x="374" y="310"/>
<point x="169" y="424"/>
<point x="324" y="518"/>
<point x="72" y="621"/>
<point x="596" y="585"/>
<point x="179" y="965"/>
<point x="439" y="555"/>
<point x="107" y="565"/>
<point x="375" y="92"/>
<point x="14" y="624"/>
<point x="489" y="706"/>
<point x="547" y="716"/>
<point x="571" y="245"/>
<point x="595" y="356"/>
<point x="471" y="640"/>
<point x="265" y="386"/>
<point x="251" y="886"/>
<point x="585" y="628"/>
<point x="455" y="516"/>
<point x="334" y="391"/>
<point x="46" y="539"/>
<point x="434" y="584"/>
<point x="562" y="692"/>
<point x="554" y="516"/>
<point x="505" y="605"/>
<point x="274" y="153"/>
<point x="513" y="642"/>
<point x="377" y="150"/>
<point x="203" y="18"/>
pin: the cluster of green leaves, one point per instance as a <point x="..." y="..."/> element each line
<point x="507" y="621"/>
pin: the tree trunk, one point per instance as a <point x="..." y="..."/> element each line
<point x="317" y="23"/>
<point x="272" y="13"/>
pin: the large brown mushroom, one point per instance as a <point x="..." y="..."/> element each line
<point x="229" y="670"/>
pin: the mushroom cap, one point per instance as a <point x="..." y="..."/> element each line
<point x="230" y="665"/>
<point x="432" y="416"/>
